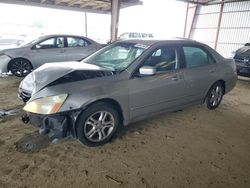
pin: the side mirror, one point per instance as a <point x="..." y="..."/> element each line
<point x="38" y="46"/>
<point x="147" y="71"/>
<point x="247" y="44"/>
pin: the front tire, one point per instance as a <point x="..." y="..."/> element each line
<point x="214" y="96"/>
<point x="20" y="67"/>
<point x="97" y="124"/>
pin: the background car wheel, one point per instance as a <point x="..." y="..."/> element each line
<point x="97" y="124"/>
<point x="215" y="95"/>
<point x="20" y="67"/>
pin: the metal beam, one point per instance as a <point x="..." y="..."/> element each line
<point x="115" y="11"/>
<point x="192" y="24"/>
<point x="223" y="2"/>
<point x="86" y="25"/>
<point x="197" y="2"/>
<point x="218" y="27"/>
<point x="189" y="20"/>
<point x="210" y="2"/>
<point x="185" y="25"/>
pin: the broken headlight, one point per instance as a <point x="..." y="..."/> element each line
<point x="46" y="105"/>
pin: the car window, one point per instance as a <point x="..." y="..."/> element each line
<point x="77" y="42"/>
<point x="120" y="53"/>
<point x="55" y="42"/>
<point x="195" y="57"/>
<point x="60" y="42"/>
<point x="163" y="59"/>
<point x="116" y="57"/>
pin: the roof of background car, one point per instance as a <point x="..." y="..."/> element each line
<point x="58" y="35"/>
<point x="64" y="35"/>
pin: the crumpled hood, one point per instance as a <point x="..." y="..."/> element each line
<point x="244" y="51"/>
<point x="50" y="72"/>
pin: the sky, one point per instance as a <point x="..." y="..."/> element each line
<point x="163" y="18"/>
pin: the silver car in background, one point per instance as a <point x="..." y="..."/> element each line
<point x="50" y="48"/>
<point x="123" y="83"/>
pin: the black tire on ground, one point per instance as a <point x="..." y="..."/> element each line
<point x="90" y="125"/>
<point x="20" y="67"/>
<point x="215" y="96"/>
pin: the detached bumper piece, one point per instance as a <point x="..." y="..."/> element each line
<point x="56" y="126"/>
<point x="243" y="65"/>
<point x="24" y="96"/>
<point x="243" y="70"/>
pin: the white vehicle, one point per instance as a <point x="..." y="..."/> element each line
<point x="7" y="42"/>
<point x="136" y="35"/>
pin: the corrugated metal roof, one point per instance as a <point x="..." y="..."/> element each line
<point x="209" y="9"/>
<point x="210" y="2"/>
<point x="98" y="6"/>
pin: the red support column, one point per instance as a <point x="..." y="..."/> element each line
<point x="115" y="11"/>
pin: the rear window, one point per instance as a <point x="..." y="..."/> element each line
<point x="196" y="57"/>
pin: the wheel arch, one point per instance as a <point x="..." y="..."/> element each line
<point x="109" y="101"/>
<point x="220" y="81"/>
<point x="223" y="84"/>
<point x="12" y="60"/>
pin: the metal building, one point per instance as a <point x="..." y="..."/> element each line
<point x="223" y="25"/>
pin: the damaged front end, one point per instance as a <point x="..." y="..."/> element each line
<point x="43" y="113"/>
<point x="56" y="126"/>
<point x="46" y="104"/>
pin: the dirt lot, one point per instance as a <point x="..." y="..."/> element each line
<point x="191" y="148"/>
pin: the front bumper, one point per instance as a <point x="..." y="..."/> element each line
<point x="243" y="70"/>
<point x="243" y="67"/>
<point x="4" y="60"/>
<point x="56" y="126"/>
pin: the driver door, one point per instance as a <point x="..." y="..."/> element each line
<point x="49" y="50"/>
<point x="164" y="90"/>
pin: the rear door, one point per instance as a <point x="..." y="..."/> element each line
<point x="78" y="48"/>
<point x="48" y="50"/>
<point x="166" y="89"/>
<point x="201" y="71"/>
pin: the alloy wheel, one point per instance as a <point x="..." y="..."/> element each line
<point x="20" y="68"/>
<point x="99" y="126"/>
<point x="216" y="96"/>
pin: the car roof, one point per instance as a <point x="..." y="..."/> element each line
<point x="154" y="41"/>
<point x="58" y="35"/>
<point x="65" y="35"/>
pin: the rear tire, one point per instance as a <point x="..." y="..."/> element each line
<point x="97" y="124"/>
<point x="20" y="67"/>
<point x="214" y="96"/>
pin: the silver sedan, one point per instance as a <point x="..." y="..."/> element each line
<point x="122" y="83"/>
<point x="51" y="48"/>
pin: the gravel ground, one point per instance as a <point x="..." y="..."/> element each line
<point x="192" y="148"/>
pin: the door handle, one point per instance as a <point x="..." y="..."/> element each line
<point x="212" y="70"/>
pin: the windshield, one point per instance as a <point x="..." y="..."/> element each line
<point x="31" y="41"/>
<point x="116" y="57"/>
